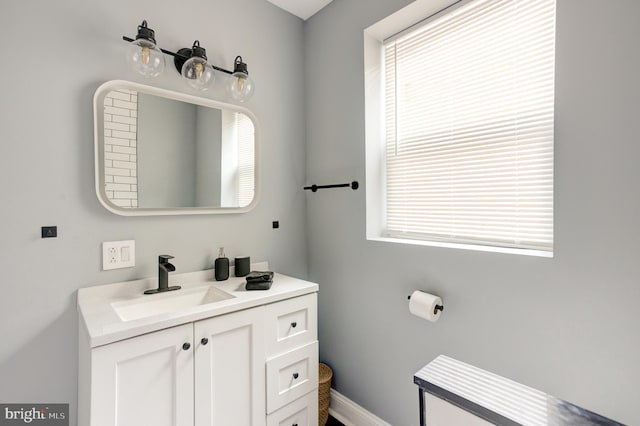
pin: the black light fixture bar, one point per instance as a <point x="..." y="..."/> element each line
<point x="181" y="56"/>
<point x="314" y="188"/>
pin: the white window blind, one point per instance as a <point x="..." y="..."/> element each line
<point x="246" y="172"/>
<point x="469" y="126"/>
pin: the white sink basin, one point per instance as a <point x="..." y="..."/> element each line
<point x="156" y="304"/>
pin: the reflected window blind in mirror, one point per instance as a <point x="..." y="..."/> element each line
<point x="246" y="169"/>
<point x="469" y="114"/>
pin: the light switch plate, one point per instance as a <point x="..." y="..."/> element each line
<point x="118" y="254"/>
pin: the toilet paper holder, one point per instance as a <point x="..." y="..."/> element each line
<point x="437" y="308"/>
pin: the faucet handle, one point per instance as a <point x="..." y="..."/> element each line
<point x="164" y="258"/>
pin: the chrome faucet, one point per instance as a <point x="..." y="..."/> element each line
<point x="164" y="267"/>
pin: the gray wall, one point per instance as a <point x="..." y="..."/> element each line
<point x="46" y="163"/>
<point x="567" y="325"/>
<point x="166" y="148"/>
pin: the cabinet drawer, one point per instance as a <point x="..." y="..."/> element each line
<point x="301" y="412"/>
<point x="291" y="375"/>
<point x="291" y="324"/>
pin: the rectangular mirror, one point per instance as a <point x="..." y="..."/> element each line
<point x="159" y="152"/>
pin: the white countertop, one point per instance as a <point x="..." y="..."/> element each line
<point x="104" y="325"/>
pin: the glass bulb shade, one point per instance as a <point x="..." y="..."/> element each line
<point x="198" y="73"/>
<point x="145" y="58"/>
<point x="240" y="86"/>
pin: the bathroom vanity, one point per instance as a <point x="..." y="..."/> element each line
<point x="211" y="353"/>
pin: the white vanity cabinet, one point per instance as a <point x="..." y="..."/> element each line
<point x="253" y="366"/>
<point x="211" y="371"/>
<point x="146" y="380"/>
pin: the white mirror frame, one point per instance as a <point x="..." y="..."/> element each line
<point x="98" y="121"/>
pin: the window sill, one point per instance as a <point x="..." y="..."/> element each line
<point x="505" y="250"/>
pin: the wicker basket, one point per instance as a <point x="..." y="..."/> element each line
<point x="324" y="387"/>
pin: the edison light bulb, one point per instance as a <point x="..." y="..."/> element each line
<point x="143" y="55"/>
<point x="195" y="70"/>
<point x="199" y="69"/>
<point x="145" y="58"/>
<point x="198" y="73"/>
<point x="146" y="55"/>
<point x="240" y="85"/>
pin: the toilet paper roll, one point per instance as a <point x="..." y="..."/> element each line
<point x="423" y="305"/>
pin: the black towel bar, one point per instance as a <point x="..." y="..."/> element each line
<point x="314" y="188"/>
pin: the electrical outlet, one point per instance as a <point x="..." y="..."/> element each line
<point x="118" y="254"/>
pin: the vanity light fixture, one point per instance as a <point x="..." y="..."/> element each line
<point x="196" y="71"/>
<point x="145" y="57"/>
<point x="143" y="53"/>
<point x="240" y="85"/>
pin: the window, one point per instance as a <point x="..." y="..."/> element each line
<point x="468" y="113"/>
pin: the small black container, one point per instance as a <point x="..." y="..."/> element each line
<point x="221" y="266"/>
<point x="242" y="266"/>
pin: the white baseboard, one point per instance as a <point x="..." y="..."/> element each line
<point x="351" y="414"/>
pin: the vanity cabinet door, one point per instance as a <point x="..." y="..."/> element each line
<point x="230" y="370"/>
<point x="145" y="380"/>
